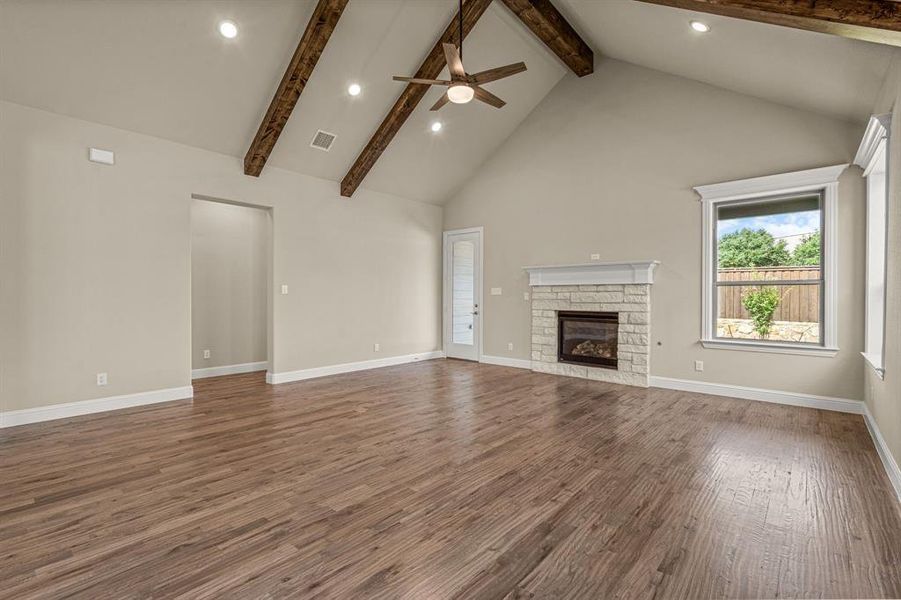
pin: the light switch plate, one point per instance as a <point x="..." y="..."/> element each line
<point x="525" y="295"/>
<point x="284" y="289"/>
<point x="496" y="291"/>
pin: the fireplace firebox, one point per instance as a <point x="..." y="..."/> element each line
<point x="587" y="338"/>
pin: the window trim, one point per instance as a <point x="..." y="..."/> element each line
<point x="873" y="147"/>
<point x="823" y="180"/>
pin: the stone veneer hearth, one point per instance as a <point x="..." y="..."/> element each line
<point x="631" y="301"/>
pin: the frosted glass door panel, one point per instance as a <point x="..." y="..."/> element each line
<point x="464" y="292"/>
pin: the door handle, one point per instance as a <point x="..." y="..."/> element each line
<point x="475" y="312"/>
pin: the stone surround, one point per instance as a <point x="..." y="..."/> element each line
<point x="631" y="301"/>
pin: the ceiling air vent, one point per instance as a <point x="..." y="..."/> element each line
<point x="323" y="140"/>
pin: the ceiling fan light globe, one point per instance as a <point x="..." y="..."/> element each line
<point x="460" y="94"/>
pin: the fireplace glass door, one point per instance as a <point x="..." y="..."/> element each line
<point x="588" y="338"/>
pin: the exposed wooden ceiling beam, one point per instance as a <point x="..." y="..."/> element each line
<point x="411" y="96"/>
<point x="312" y="43"/>
<point x="546" y="22"/>
<point x="869" y="20"/>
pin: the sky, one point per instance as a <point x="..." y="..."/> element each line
<point x="791" y="227"/>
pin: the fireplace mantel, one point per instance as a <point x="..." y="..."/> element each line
<point x="594" y="273"/>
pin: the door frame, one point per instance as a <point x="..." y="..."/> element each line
<point x="445" y="272"/>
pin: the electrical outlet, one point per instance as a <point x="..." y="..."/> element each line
<point x="525" y="295"/>
<point x="284" y="289"/>
<point x="376" y="347"/>
<point x="509" y="345"/>
<point x="206" y="353"/>
<point x="595" y="257"/>
<point x="699" y="365"/>
<point x="101" y="378"/>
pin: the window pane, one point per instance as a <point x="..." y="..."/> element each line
<point x="770" y="240"/>
<point x="464" y="292"/>
<point x="777" y="313"/>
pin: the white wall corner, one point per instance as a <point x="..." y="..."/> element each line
<point x="86" y="407"/>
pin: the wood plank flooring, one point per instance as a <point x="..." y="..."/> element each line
<point x="446" y="479"/>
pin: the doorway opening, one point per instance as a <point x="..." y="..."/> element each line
<point x="231" y="268"/>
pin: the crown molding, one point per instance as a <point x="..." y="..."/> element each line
<point x="878" y="129"/>
<point x="796" y="181"/>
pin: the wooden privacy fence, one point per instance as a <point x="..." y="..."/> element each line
<point x="800" y="302"/>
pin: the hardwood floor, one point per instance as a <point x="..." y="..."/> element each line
<point x="446" y="479"/>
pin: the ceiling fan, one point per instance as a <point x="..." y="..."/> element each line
<point x="463" y="86"/>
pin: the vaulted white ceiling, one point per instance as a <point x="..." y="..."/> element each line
<point x="812" y="71"/>
<point x="161" y="68"/>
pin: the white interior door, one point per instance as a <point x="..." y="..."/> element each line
<point x="462" y="293"/>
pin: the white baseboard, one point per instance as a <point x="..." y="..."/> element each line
<point x="229" y="370"/>
<point x="517" y="363"/>
<point x="86" y="407"/>
<point x="748" y="393"/>
<point x="350" y="367"/>
<point x="888" y="461"/>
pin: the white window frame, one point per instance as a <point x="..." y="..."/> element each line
<point x="873" y="158"/>
<point x="823" y="180"/>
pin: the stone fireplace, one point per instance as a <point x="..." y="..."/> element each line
<point x="593" y="320"/>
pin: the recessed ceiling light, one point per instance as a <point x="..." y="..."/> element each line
<point x="700" y="27"/>
<point x="354" y="89"/>
<point x="228" y="29"/>
<point x="436" y="126"/>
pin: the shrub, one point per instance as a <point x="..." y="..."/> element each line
<point x="762" y="304"/>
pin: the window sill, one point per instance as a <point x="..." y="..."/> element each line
<point x="754" y="346"/>
<point x="876" y="363"/>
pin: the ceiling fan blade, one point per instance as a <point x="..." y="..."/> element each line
<point x="487" y="97"/>
<point x="497" y="73"/>
<point x="441" y="102"/>
<point x="423" y="81"/>
<point x="454" y="64"/>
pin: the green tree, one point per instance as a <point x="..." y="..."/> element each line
<point x="751" y="248"/>
<point x="808" y="251"/>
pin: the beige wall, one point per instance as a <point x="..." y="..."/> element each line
<point x="606" y="164"/>
<point x="883" y="397"/>
<point x="230" y="250"/>
<point x="95" y="262"/>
